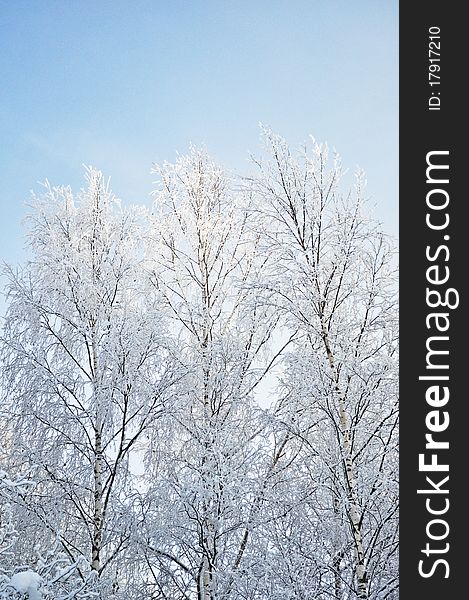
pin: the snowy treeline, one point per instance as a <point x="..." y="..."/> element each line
<point x="199" y="401"/>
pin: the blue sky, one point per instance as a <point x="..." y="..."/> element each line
<point x="121" y="84"/>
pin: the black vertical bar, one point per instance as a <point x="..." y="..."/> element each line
<point x="433" y="256"/>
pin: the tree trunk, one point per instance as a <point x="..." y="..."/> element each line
<point x="98" y="502"/>
<point x="98" y="517"/>
<point x="203" y="581"/>
<point x="338" y="552"/>
<point x="353" y="504"/>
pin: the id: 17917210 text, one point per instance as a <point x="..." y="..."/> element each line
<point x="434" y="67"/>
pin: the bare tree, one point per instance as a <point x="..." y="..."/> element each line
<point x="334" y="280"/>
<point x="85" y="371"/>
<point x="207" y="265"/>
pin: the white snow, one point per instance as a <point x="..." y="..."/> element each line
<point x="27" y="581"/>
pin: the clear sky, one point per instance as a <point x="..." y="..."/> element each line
<point x="121" y="84"/>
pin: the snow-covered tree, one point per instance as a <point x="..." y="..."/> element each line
<point x="211" y="473"/>
<point x="86" y="373"/>
<point x="199" y="402"/>
<point x="334" y="280"/>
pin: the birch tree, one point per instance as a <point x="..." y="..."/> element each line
<point x="86" y="372"/>
<point x="207" y="265"/>
<point x="334" y="280"/>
